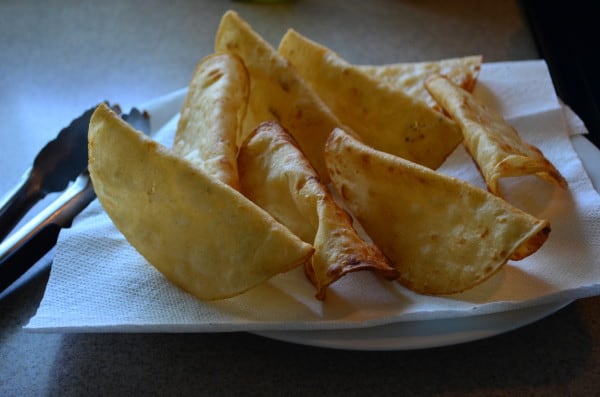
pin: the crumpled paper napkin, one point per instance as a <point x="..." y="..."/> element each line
<point x="98" y="282"/>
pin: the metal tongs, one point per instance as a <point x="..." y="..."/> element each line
<point x="61" y="166"/>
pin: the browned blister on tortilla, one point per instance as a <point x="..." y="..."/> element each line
<point x="275" y="175"/>
<point x="212" y="115"/>
<point x="495" y="145"/>
<point x="442" y="234"/>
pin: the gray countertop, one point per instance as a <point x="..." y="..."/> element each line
<point x="59" y="57"/>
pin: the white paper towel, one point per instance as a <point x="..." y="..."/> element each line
<point x="99" y="282"/>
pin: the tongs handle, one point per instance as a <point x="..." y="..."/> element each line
<point x="20" y="250"/>
<point x="31" y="249"/>
<point x="18" y="202"/>
<point x="26" y="246"/>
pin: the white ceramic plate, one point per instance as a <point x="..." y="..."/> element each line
<point x="434" y="333"/>
<point x="412" y="335"/>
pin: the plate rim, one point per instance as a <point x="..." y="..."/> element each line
<point x="408" y="335"/>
